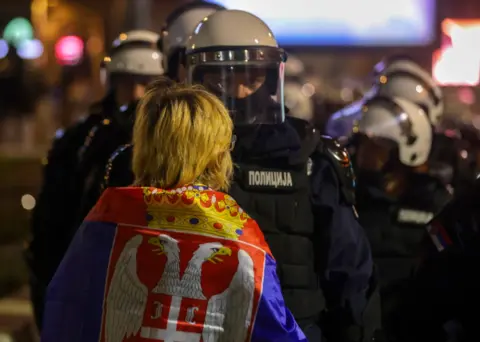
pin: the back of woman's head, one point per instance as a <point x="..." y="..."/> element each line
<point x="182" y="135"/>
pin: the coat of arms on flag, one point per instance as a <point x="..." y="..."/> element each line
<point x="167" y="286"/>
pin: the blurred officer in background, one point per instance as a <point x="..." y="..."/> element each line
<point x="58" y="201"/>
<point x="175" y="32"/>
<point x="397" y="76"/>
<point x="400" y="77"/>
<point x="297" y="185"/>
<point x="396" y="197"/>
<point x="443" y="305"/>
<point x="135" y="54"/>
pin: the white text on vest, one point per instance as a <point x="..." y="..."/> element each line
<point x="270" y="178"/>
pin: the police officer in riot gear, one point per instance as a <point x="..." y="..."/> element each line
<point x="397" y="76"/>
<point x="444" y="301"/>
<point x="401" y="77"/>
<point x="395" y="194"/>
<point x="175" y="32"/>
<point x="297" y="185"/>
<point x="136" y="53"/>
<point x="59" y="198"/>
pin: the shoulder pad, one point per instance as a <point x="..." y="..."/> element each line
<point x="342" y="164"/>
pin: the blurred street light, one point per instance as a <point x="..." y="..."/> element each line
<point x="3" y="48"/>
<point x="30" y="49"/>
<point x="17" y="31"/>
<point x="69" y="50"/>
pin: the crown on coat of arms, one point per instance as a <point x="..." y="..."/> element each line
<point x="195" y="208"/>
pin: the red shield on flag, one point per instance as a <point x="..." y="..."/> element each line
<point x="166" y="286"/>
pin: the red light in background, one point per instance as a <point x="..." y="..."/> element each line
<point x="69" y="50"/>
<point x="457" y="62"/>
<point x="466" y="95"/>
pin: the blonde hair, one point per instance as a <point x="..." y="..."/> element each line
<point x="182" y="135"/>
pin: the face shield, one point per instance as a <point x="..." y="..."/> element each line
<point x="402" y="122"/>
<point x="249" y="82"/>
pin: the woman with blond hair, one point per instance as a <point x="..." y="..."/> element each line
<point x="172" y="258"/>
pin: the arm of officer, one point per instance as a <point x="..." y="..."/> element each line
<point x="345" y="266"/>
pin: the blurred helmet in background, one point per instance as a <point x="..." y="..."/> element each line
<point x="399" y="121"/>
<point x="135" y="53"/>
<point x="401" y="77"/>
<point x="178" y="28"/>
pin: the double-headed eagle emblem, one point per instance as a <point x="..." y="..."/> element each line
<point x="228" y="315"/>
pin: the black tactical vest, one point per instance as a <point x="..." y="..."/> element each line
<point x="277" y="195"/>
<point x="395" y="229"/>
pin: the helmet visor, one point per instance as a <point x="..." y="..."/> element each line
<point x="253" y="93"/>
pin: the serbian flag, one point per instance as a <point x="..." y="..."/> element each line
<point x="439" y="235"/>
<point x="186" y="264"/>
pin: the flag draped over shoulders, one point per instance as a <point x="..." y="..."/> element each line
<point x="186" y="264"/>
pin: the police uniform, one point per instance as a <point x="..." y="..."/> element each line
<point x="400" y="132"/>
<point x="299" y="188"/>
<point x="52" y="211"/>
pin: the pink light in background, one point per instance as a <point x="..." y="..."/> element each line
<point x="458" y="63"/>
<point x="69" y="50"/>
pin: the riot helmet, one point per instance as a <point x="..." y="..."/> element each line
<point x="235" y="55"/>
<point x="135" y="53"/>
<point x="402" y="77"/>
<point x="177" y="29"/>
<point x="401" y="123"/>
<point x="134" y="61"/>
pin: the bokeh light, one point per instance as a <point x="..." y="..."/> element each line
<point x="3" y="48"/>
<point x="28" y="202"/>
<point x="69" y="50"/>
<point x="30" y="49"/>
<point x="17" y="31"/>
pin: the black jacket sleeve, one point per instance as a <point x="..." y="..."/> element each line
<point x="345" y="265"/>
